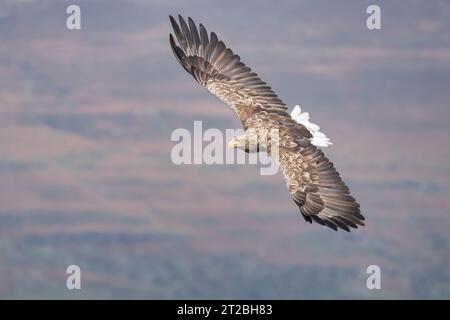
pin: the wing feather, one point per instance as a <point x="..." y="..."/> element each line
<point x="191" y="49"/>
<point x="318" y="190"/>
<point x="178" y="33"/>
<point x="195" y="35"/>
<point x="222" y="72"/>
<point x="204" y="37"/>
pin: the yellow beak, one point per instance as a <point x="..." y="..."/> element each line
<point x="233" y="143"/>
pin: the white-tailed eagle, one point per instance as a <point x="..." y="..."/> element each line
<point x="313" y="182"/>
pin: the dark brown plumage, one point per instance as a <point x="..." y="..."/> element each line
<point x="312" y="181"/>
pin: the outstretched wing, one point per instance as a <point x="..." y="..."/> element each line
<point x="316" y="187"/>
<point x="219" y="70"/>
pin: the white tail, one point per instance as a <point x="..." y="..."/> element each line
<point x="318" y="138"/>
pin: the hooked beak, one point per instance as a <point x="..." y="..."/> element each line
<point x="233" y="143"/>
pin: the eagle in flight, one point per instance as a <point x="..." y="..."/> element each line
<point x="312" y="181"/>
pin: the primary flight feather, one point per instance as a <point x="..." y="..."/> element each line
<point x="313" y="182"/>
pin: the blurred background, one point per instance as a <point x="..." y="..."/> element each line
<point x="86" y="177"/>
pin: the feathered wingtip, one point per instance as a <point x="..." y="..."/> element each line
<point x="318" y="138"/>
<point x="177" y="51"/>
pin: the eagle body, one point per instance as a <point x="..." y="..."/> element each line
<point x="312" y="181"/>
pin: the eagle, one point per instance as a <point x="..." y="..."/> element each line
<point x="313" y="183"/>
